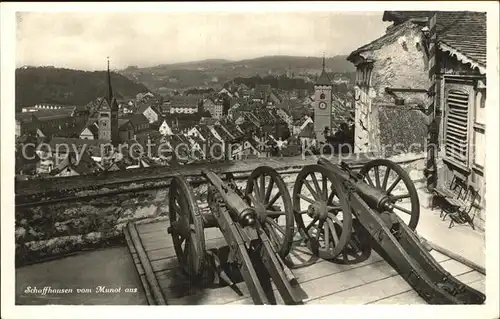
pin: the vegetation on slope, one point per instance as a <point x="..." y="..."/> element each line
<point x="70" y="87"/>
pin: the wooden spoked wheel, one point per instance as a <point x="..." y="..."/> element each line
<point x="358" y="248"/>
<point x="395" y="182"/>
<point x="268" y="194"/>
<point x="186" y="228"/>
<point x="322" y="212"/>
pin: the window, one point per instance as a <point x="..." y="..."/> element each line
<point x="322" y="96"/>
<point x="457" y="120"/>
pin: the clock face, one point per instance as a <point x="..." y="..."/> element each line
<point x="322" y="105"/>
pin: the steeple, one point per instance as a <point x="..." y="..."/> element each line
<point x="109" y="92"/>
<point x="323" y="78"/>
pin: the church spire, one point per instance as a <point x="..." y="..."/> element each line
<point x="109" y="88"/>
<point x="323" y="78"/>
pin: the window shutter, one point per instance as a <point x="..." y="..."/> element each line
<point x="457" y="127"/>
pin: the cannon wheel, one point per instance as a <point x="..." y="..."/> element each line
<point x="378" y="174"/>
<point x="358" y="249"/>
<point x="186" y="227"/>
<point x="322" y="237"/>
<point x="259" y="194"/>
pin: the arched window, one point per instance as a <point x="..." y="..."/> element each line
<point x="322" y="96"/>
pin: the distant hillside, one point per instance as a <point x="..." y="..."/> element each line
<point x="215" y="72"/>
<point x="337" y="64"/>
<point x="64" y="86"/>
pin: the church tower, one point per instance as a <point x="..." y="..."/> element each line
<point x="108" y="115"/>
<point x="322" y="105"/>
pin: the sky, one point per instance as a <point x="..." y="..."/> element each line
<point x="83" y="40"/>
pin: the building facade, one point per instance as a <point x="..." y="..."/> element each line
<point x="322" y="106"/>
<point x="393" y="103"/>
<point x="108" y="116"/>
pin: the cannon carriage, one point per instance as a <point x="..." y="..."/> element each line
<point x="338" y="214"/>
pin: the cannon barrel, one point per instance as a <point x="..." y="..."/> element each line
<point x="375" y="198"/>
<point x="240" y="210"/>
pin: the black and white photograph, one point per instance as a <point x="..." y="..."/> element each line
<point x="267" y="153"/>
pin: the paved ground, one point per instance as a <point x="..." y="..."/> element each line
<point x="460" y="239"/>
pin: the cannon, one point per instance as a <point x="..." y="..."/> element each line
<point x="341" y="215"/>
<point x="258" y="232"/>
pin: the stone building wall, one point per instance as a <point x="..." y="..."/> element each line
<point x="396" y="64"/>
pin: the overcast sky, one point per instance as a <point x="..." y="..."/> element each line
<point x="83" y="40"/>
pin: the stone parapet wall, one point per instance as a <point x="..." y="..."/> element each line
<point x="48" y="231"/>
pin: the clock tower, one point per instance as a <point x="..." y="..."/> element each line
<point x="108" y="116"/>
<point x="322" y="105"/>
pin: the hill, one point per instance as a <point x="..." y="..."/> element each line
<point x="215" y="72"/>
<point x="64" y="86"/>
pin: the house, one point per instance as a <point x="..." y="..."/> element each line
<point x="222" y="134"/>
<point x="148" y="111"/>
<point x="180" y="149"/>
<point x="165" y="129"/>
<point x="274" y="98"/>
<point x="299" y="125"/>
<point x="307" y="101"/>
<point x="233" y="130"/>
<point x="184" y="104"/>
<point x="252" y="118"/>
<point x="113" y="166"/>
<point x="139" y="122"/>
<point x="307" y="135"/>
<point x="140" y="163"/>
<point x="234" y="106"/>
<point x="242" y="87"/>
<point x="90" y="132"/>
<point x="245" y="94"/>
<point x="61" y="122"/>
<point x="126" y="108"/>
<point x="225" y="91"/>
<point x="208" y="121"/>
<point x="240" y="120"/>
<point x="26" y="123"/>
<point x="53" y="151"/>
<point x="284" y="115"/>
<point x="126" y="129"/>
<point x="75" y="164"/>
<point x="376" y="115"/>
<point x="197" y="147"/>
<point x="342" y="113"/>
<point x="195" y="131"/>
<point x="218" y="109"/>
<point x="209" y="106"/>
<point x="246" y="149"/>
<point x="44" y="106"/>
<point x="384" y="113"/>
